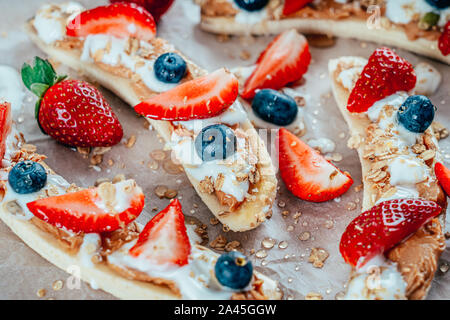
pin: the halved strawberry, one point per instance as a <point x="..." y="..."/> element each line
<point x="121" y="20"/>
<point x="306" y="173"/>
<point x="291" y="6"/>
<point x="444" y="40"/>
<point x="5" y="126"/>
<point x="385" y="74"/>
<point x="200" y="98"/>
<point x="443" y="176"/>
<point x="156" y="7"/>
<point x="284" y="60"/>
<point x="375" y="231"/>
<point x="164" y="239"/>
<point x="105" y="208"/>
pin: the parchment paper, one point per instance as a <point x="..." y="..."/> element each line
<point x="23" y="272"/>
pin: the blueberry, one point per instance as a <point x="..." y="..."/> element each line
<point x="27" y="177"/>
<point x="440" y="4"/>
<point x="251" y="5"/>
<point x="233" y="270"/>
<point x="215" y="142"/>
<point x="416" y="113"/>
<point x="170" y="68"/>
<point x="275" y="107"/>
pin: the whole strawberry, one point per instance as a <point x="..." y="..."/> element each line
<point x="72" y="112"/>
<point x="444" y="40"/>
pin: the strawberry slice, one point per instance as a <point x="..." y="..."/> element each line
<point x="200" y="98"/>
<point x="385" y="74"/>
<point x="164" y="239"/>
<point x="291" y="6"/>
<point x="105" y="208"/>
<point x="121" y="20"/>
<point x="379" y="229"/>
<point x="306" y="173"/>
<point x="284" y="60"/>
<point x="156" y="7"/>
<point x="443" y="176"/>
<point x="5" y="126"/>
<point x="444" y="40"/>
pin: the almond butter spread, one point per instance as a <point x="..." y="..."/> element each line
<point x="112" y="241"/>
<point x="69" y="242"/>
<point x="137" y="275"/>
<point x="217" y="8"/>
<point x="417" y="258"/>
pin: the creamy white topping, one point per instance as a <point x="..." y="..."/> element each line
<point x="11" y="88"/>
<point x="350" y="75"/>
<point x="378" y="279"/>
<point x="90" y="246"/>
<point x="404" y="11"/>
<point x="234" y="115"/>
<point x="51" y="20"/>
<point x="407" y="171"/>
<point x="428" y="79"/>
<point x="324" y="145"/>
<point x="124" y="192"/>
<point x="241" y="162"/>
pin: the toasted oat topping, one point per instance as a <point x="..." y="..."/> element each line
<point x="317" y="257"/>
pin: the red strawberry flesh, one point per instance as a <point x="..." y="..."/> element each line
<point x="291" y="6"/>
<point x="285" y="60"/>
<point x="381" y="228"/>
<point x="443" y="176"/>
<point x="306" y="173"/>
<point x="121" y="20"/>
<point x="385" y="74"/>
<point x="156" y="7"/>
<point x="164" y="239"/>
<point x="5" y="126"/>
<point x="91" y="210"/>
<point x="444" y="40"/>
<point x="200" y="98"/>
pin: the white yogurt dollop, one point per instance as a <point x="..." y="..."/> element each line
<point x="11" y="88"/>
<point x="51" y="20"/>
<point x="428" y="79"/>
<point x="324" y="145"/>
<point x="379" y="279"/>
